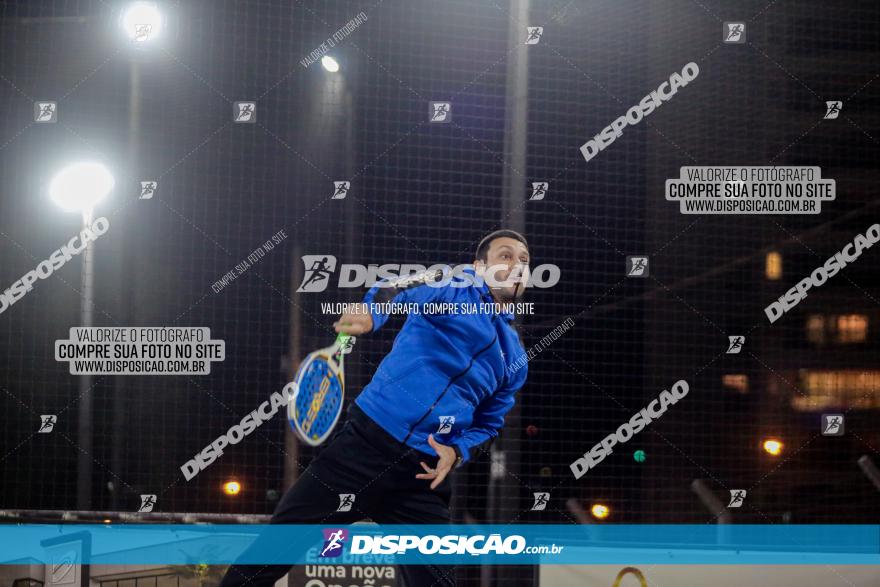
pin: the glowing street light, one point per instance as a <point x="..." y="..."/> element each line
<point x="142" y="21"/>
<point x="232" y="487"/>
<point x="600" y="511"/>
<point x="330" y="64"/>
<point x="773" y="447"/>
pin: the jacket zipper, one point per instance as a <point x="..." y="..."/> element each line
<point x="445" y="389"/>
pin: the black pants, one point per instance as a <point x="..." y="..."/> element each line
<point x="362" y="459"/>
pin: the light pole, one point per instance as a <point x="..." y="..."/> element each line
<point x="78" y="188"/>
<point x="142" y="24"/>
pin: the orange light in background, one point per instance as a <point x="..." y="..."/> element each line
<point x="773" y="447"/>
<point x="816" y="328"/>
<point x="232" y="488"/>
<point x="600" y="511"/>
<point x="107" y="521"/>
<point x="852" y="328"/>
<point x="847" y="388"/>
<point x="773" y="265"/>
<point x="736" y="382"/>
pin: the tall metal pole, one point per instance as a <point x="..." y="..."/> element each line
<point x="84" y="429"/>
<point x="292" y="360"/>
<point x="128" y="276"/>
<point x="503" y="495"/>
<point x="516" y="118"/>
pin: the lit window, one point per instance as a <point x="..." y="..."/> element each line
<point x="816" y="329"/>
<point x="839" y="329"/>
<point x="852" y="328"/>
<point x="837" y="389"/>
<point x="773" y="265"/>
<point x="736" y="382"/>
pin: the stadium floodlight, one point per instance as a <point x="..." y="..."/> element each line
<point x="142" y="21"/>
<point x="330" y="64"/>
<point x="78" y="187"/>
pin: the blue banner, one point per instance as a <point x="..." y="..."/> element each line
<point x="184" y="544"/>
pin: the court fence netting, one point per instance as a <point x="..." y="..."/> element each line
<point x="425" y="193"/>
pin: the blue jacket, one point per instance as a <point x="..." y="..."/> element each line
<point x="449" y="375"/>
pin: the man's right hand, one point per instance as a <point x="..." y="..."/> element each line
<point x="355" y="320"/>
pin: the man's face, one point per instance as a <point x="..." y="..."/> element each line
<point x="506" y="268"/>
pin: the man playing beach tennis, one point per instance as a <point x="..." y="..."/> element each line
<point x="441" y="392"/>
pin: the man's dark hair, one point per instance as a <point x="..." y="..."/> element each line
<point x="483" y="247"/>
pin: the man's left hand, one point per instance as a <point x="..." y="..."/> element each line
<point x="444" y="465"/>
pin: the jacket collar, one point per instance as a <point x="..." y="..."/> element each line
<point x="486" y="297"/>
